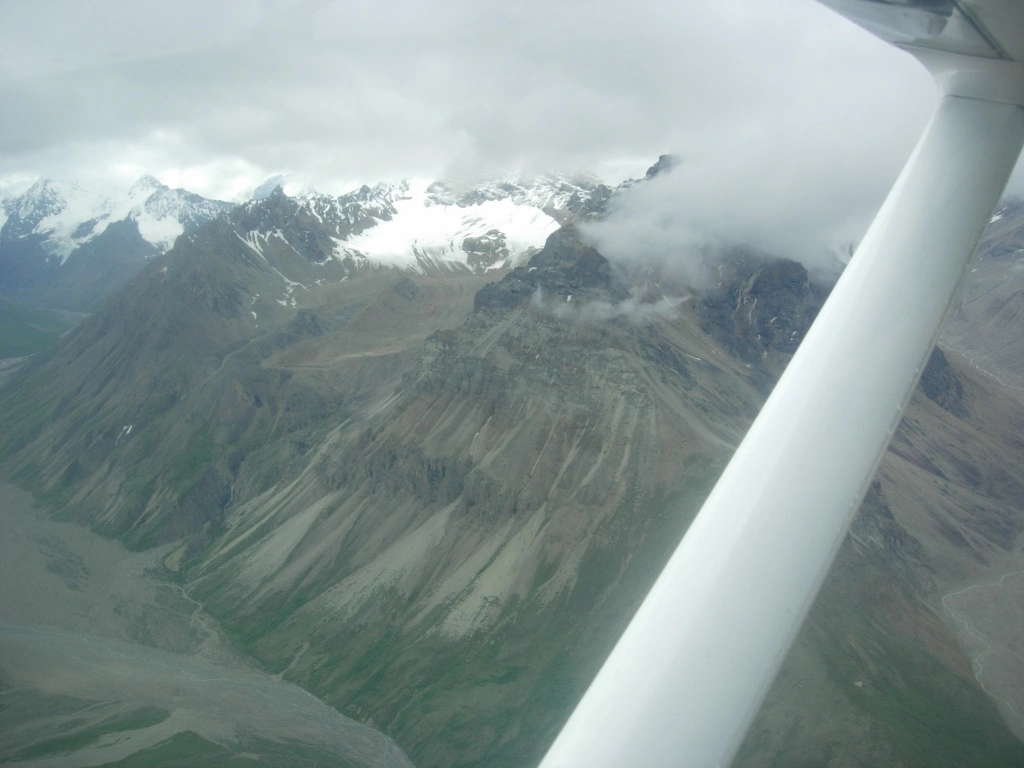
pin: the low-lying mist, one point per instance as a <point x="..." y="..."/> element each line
<point x="635" y="309"/>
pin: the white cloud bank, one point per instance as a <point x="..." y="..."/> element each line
<point x="223" y="94"/>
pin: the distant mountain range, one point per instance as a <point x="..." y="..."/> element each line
<point x="70" y="244"/>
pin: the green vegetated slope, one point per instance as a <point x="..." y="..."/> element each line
<point x="436" y="506"/>
<point x="26" y="330"/>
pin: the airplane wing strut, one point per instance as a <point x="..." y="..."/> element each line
<point x="688" y="675"/>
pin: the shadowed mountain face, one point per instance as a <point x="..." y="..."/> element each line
<point x="436" y="502"/>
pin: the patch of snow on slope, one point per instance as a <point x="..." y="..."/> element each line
<point x="252" y="239"/>
<point x="160" y="232"/>
<point x="419" y="232"/>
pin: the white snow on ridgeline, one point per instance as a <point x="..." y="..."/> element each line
<point x="424" y="230"/>
<point x="357" y="207"/>
<point x="70" y="213"/>
<point x="339" y="215"/>
<point x="155" y="212"/>
<point x="160" y="232"/>
<point x="162" y="216"/>
<point x="546" y="192"/>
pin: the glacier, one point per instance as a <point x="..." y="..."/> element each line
<point x="422" y="232"/>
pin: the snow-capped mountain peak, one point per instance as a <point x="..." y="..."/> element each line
<point x="552" y="192"/>
<point x="167" y="213"/>
<point x="425" y="224"/>
<point x="429" y="226"/>
<point x="362" y="207"/>
<point x="67" y="213"/>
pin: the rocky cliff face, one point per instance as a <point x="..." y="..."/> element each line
<point x="759" y="310"/>
<point x="436" y="502"/>
<point x="566" y="269"/>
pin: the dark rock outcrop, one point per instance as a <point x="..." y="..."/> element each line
<point x="565" y="267"/>
<point x="761" y="309"/>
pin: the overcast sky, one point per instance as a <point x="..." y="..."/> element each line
<point x="777" y="100"/>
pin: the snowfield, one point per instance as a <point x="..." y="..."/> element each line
<point x="421" y="233"/>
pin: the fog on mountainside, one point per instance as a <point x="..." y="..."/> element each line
<point x="704" y="205"/>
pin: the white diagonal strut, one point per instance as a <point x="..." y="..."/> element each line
<point x="688" y="675"/>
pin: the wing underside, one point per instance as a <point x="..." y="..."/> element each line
<point x="991" y="29"/>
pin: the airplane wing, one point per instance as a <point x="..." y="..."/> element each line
<point x="688" y="675"/>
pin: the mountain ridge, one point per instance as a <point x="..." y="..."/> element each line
<point x="70" y="244"/>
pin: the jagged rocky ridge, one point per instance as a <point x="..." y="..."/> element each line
<point x="437" y="503"/>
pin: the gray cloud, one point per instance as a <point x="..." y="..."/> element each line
<point x="807" y="192"/>
<point x="220" y="95"/>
